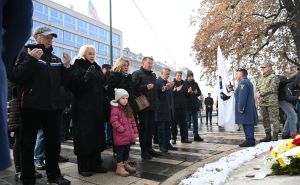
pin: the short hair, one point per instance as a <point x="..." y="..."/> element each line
<point x="178" y="72"/>
<point x="120" y="62"/>
<point x="145" y="58"/>
<point x="243" y="71"/>
<point x="165" y="69"/>
<point x="82" y="51"/>
<point x="209" y="93"/>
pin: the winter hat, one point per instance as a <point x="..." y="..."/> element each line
<point x="189" y="73"/>
<point x="119" y="93"/>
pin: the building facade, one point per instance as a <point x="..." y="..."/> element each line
<point x="74" y="30"/>
<point x="136" y="62"/>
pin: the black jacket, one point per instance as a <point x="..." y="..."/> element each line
<point x="41" y="80"/>
<point x="120" y="80"/>
<point x="192" y="101"/>
<point x="87" y="107"/>
<point x="288" y="93"/>
<point x="140" y="79"/>
<point x="179" y="96"/>
<point x="209" y="103"/>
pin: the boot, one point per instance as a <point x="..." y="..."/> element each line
<point x="121" y="170"/>
<point x="275" y="136"/>
<point x="128" y="167"/>
<point x="267" y="138"/>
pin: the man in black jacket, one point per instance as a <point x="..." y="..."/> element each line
<point x="144" y="82"/>
<point x="179" y="104"/>
<point x="41" y="75"/>
<point x="209" y="103"/>
<point x="192" y="92"/>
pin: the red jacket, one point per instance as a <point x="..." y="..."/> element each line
<point x="124" y="128"/>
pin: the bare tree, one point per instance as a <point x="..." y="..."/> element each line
<point x="250" y="31"/>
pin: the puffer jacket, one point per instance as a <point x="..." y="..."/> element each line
<point x="124" y="128"/>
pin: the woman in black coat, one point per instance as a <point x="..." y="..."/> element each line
<point x="120" y="78"/>
<point x="86" y="83"/>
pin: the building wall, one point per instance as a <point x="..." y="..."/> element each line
<point x="74" y="30"/>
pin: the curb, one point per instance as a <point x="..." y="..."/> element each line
<point x="177" y="177"/>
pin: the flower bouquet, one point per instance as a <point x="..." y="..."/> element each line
<point x="287" y="157"/>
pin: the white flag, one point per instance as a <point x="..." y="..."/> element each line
<point x="226" y="108"/>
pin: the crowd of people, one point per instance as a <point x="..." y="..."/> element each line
<point x="52" y="99"/>
<point x="47" y="95"/>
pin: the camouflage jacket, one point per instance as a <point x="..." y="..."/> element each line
<point x="267" y="87"/>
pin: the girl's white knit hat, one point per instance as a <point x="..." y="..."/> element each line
<point x="119" y="93"/>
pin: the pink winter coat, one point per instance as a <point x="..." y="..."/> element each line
<point x="124" y="128"/>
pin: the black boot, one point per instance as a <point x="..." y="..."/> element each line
<point x="197" y="138"/>
<point x="267" y="138"/>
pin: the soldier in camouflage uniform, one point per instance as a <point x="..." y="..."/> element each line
<point x="267" y="97"/>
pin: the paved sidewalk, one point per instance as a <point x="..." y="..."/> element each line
<point x="243" y="174"/>
<point x="168" y="169"/>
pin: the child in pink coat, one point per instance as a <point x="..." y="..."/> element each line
<point x="124" y="131"/>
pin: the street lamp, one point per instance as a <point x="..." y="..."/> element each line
<point x="110" y="34"/>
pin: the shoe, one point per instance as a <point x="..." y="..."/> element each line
<point x="245" y="144"/>
<point x="38" y="175"/>
<point x="174" y="141"/>
<point x="121" y="170"/>
<point x="100" y="170"/>
<point x="62" y="159"/>
<point x="186" y="141"/>
<point x="285" y="137"/>
<point x="197" y="138"/>
<point x="128" y="167"/>
<point x="146" y="156"/>
<point x="18" y="177"/>
<point x="154" y="153"/>
<point x="86" y="174"/>
<point x="59" y="181"/>
<point x="266" y="139"/>
<point x="131" y="162"/>
<point x="172" y="148"/>
<point x="163" y="149"/>
<point x="40" y="165"/>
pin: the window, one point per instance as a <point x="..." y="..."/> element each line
<point x="100" y="61"/>
<point x="93" y="30"/>
<point x="56" y="16"/>
<point x="70" y="39"/>
<point x="103" y="49"/>
<point x="103" y="35"/>
<point x="116" y="39"/>
<point x="35" y="25"/>
<point x="59" y="33"/>
<point x="40" y="10"/>
<point x="81" y="41"/>
<point x="69" y="21"/>
<point x="58" y="51"/>
<point x="81" y="26"/>
<point x="116" y="53"/>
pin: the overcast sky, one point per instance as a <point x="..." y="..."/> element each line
<point x="170" y="20"/>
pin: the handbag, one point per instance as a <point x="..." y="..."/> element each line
<point x="142" y="102"/>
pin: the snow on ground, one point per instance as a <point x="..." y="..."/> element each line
<point x="217" y="173"/>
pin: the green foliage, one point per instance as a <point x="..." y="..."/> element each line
<point x="292" y="169"/>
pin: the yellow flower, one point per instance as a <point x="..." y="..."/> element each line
<point x="298" y="155"/>
<point x="281" y="162"/>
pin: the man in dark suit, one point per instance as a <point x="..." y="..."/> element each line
<point x="209" y="103"/>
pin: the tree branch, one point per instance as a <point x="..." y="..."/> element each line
<point x="260" y="48"/>
<point x="274" y="27"/>
<point x="291" y="60"/>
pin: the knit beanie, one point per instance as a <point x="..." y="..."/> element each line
<point x="119" y="93"/>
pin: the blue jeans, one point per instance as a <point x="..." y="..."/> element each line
<point x="108" y="134"/>
<point x="164" y="133"/>
<point x="39" y="146"/>
<point x="249" y="133"/>
<point x="194" y="115"/>
<point x="290" y="126"/>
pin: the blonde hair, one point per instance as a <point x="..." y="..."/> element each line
<point x="82" y="51"/>
<point x="120" y="62"/>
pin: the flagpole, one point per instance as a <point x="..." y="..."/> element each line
<point x="110" y="34"/>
